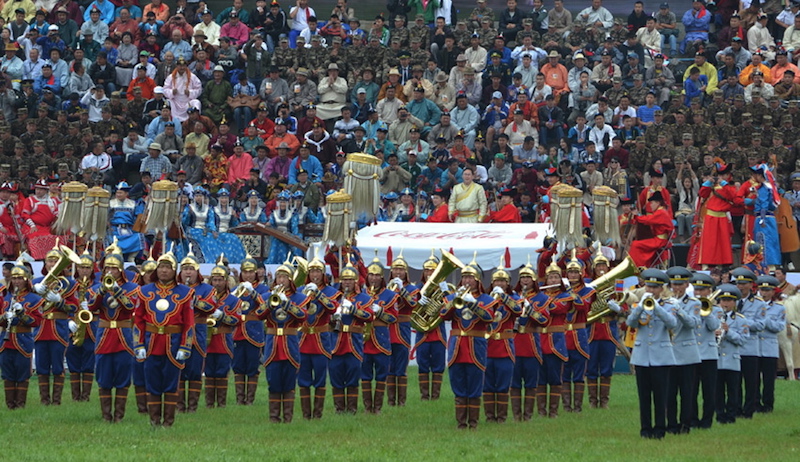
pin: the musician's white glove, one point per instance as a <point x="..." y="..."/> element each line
<point x="141" y="353"/>
<point x="115" y="287"/>
<point x="85" y="305"/>
<point x="377" y="309"/>
<point x="9" y="315"/>
<point x="423" y="300"/>
<point x="347" y="307"/>
<point x="113" y="304"/>
<point x="216" y="315"/>
<point x="39" y="288"/>
<point x="397" y="281"/>
<point x="498" y="291"/>
<point x="248" y="287"/>
<point x="73" y="326"/>
<point x="52" y="297"/>
<point x="614" y="306"/>
<point x="311" y="287"/>
<point x="444" y="287"/>
<point x="526" y="308"/>
<point x="283" y="297"/>
<point x="183" y="355"/>
<point x="469" y="298"/>
<point x="17" y="308"/>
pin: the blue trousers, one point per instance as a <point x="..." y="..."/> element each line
<point x="193" y="369"/>
<point x="281" y="376"/>
<point x="345" y="370"/>
<point x="575" y="368"/>
<point x="313" y="371"/>
<point x="466" y="380"/>
<point x="14" y="366"/>
<point x="375" y="367"/>
<point x="399" y="361"/>
<point x="550" y="374"/>
<point x="246" y="358"/>
<point x="160" y="375"/>
<point x="526" y="373"/>
<point x="431" y="357"/>
<point x="80" y="359"/>
<point x="49" y="357"/>
<point x="138" y="374"/>
<point x="217" y="365"/>
<point x="602" y="354"/>
<point x="497" y="377"/>
<point x="114" y="370"/>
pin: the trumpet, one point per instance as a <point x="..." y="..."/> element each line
<point x="649" y="304"/>
<point x="275" y="298"/>
<point x="108" y="282"/>
<point x="211" y="322"/>
<point x="458" y="299"/>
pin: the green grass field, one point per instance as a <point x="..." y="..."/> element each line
<point x="422" y="430"/>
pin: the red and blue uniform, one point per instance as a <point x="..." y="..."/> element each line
<point x="220" y="344"/>
<point x="203" y="307"/>
<point x="52" y="336"/>
<point x="603" y="345"/>
<point x="577" y="334"/>
<point x="528" y="358"/>
<point x="378" y="350"/>
<point x="500" y="358"/>
<point x="316" y="344"/>
<point x="81" y="358"/>
<point x="431" y="352"/>
<point x="248" y="341"/>
<point x="16" y="345"/>
<point x="348" y="351"/>
<point x="114" y="346"/>
<point x="400" y="334"/>
<point x="282" y="344"/>
<point x="552" y="339"/>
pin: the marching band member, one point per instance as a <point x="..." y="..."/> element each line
<point x="52" y="335"/>
<point x="753" y="308"/>
<point x="709" y="353"/>
<point x="163" y="338"/>
<point x="734" y="332"/>
<point x="431" y="347"/>
<point x="774" y="323"/>
<point x="645" y="251"/>
<point x="470" y="312"/>
<point x="22" y="313"/>
<point x="500" y="348"/>
<point x="248" y="336"/>
<point x="377" y="340"/>
<point x="81" y="358"/>
<point x="226" y="314"/>
<point x="192" y="371"/>
<point x="400" y="332"/>
<point x="350" y="317"/>
<point x="685" y="350"/>
<point x="557" y="302"/>
<point x="316" y="339"/>
<point x="652" y="352"/>
<point x="577" y="336"/>
<point x="115" y="304"/>
<point x="282" y="344"/>
<point x="527" y="353"/>
<point x="139" y="386"/>
<point x="720" y="198"/>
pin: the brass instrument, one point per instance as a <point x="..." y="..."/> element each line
<point x="300" y="272"/>
<point x="52" y="280"/>
<point x="649" y="304"/>
<point x="108" y="282"/>
<point x="211" y="322"/>
<point x="239" y="291"/>
<point x="604" y="288"/>
<point x="84" y="317"/>
<point x="276" y="303"/>
<point x="426" y="318"/>
<point x="458" y="299"/>
<point x="393" y="286"/>
<point x="707" y="304"/>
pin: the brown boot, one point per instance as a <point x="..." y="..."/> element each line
<point x="566" y="396"/>
<point x="44" y="389"/>
<point x="193" y="397"/>
<point x="319" y="402"/>
<point x="250" y="390"/>
<point x="351" y="397"/>
<point x="501" y="413"/>
<point x="288" y="406"/>
<point x="402" y="389"/>
<point x="555" y="397"/>
<point x="377" y="400"/>
<point x="75" y="385"/>
<point x="489" y="406"/>
<point x="605" y="391"/>
<point x="58" y="389"/>
<point x="593" y="389"/>
<point x="529" y="402"/>
<point x="181" y="395"/>
<point x="275" y="407"/>
<point x="87" y="379"/>
<point x="240" y="385"/>
<point x="391" y="390"/>
<point x="516" y="403"/>
<point x="424" y="386"/>
<point x="305" y="402"/>
<point x="11" y="394"/>
<point x="105" y="404"/>
<point x="461" y="412"/>
<point x="170" y="406"/>
<point x="141" y="400"/>
<point x="366" y="395"/>
<point x="211" y="392"/>
<point x="22" y="394"/>
<point x="541" y="400"/>
<point x="577" y="397"/>
<point x="154" y="409"/>
<point x="436" y="385"/>
<point x="120" y="402"/>
<point x="338" y="400"/>
<point x="474" y="407"/>
<point x="222" y="392"/>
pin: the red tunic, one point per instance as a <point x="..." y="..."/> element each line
<point x="362" y="314"/>
<point x="32" y="318"/>
<point x="112" y="340"/>
<point x="644" y="196"/>
<point x="501" y="334"/>
<point x="524" y="342"/>
<point x="177" y="312"/>
<point x="440" y="215"/>
<point x="42" y="213"/>
<point x="231" y="315"/>
<point x="68" y="305"/>
<point x="279" y="347"/>
<point x="319" y="317"/>
<point x="715" y="240"/>
<point x="508" y="214"/>
<point x="557" y="309"/>
<point x="644" y="251"/>
<point x="464" y="347"/>
<point x="748" y="190"/>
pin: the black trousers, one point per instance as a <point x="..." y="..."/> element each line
<point x="728" y="390"/>
<point x="681" y="380"/>
<point x="767" y="370"/>
<point x="749" y="382"/>
<point x="706" y="377"/>
<point x="652" y="383"/>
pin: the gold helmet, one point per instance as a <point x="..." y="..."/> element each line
<point x="528" y="269"/>
<point x="574" y="264"/>
<point x="553" y="267"/>
<point x="86" y="259"/>
<point x="500" y="274"/>
<point x="431" y="263"/>
<point x="599" y="258"/>
<point x="349" y="273"/>
<point x="286" y="267"/>
<point x="20" y="270"/>
<point x="190" y="261"/>
<point x="249" y="263"/>
<point x="113" y="260"/>
<point x="219" y="269"/>
<point x="114" y="247"/>
<point x="149" y="265"/>
<point x="54" y="253"/>
<point x="376" y="267"/>
<point x="168" y="257"/>
<point x="400" y="262"/>
<point x="316" y="263"/>
<point x="472" y="269"/>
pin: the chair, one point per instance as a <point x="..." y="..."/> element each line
<point x="665" y="256"/>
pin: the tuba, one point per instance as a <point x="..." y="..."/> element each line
<point x="300" y="272"/>
<point x="52" y="280"/>
<point x="604" y="287"/>
<point x="426" y="318"/>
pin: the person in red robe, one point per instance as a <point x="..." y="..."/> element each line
<point x="440" y="210"/>
<point x="656" y="178"/>
<point x="507" y="212"/>
<point x="748" y="190"/>
<point x="10" y="228"/>
<point x="721" y="197"/>
<point x="645" y="251"/>
<point x="39" y="212"/>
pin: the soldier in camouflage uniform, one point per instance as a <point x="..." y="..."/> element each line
<point x="551" y="40"/>
<point x="69" y="158"/>
<point x="23" y="177"/>
<point x="374" y="57"/>
<point x="400" y="33"/>
<point x="421" y="32"/>
<point x="707" y="167"/>
<point x="744" y="131"/>
<point x="54" y="139"/>
<point x="461" y="34"/>
<point x="488" y="33"/>
<point x="356" y="55"/>
<point x="31" y="134"/>
<point x="301" y="54"/>
<point x="618" y="31"/>
<point x="7" y="141"/>
<point x="43" y="118"/>
<point x="638" y="92"/>
<point x="135" y="108"/>
<point x="717" y="105"/>
<point x="695" y="108"/>
<point x="784" y="158"/>
<point x="687" y="150"/>
<point x="316" y="58"/>
<point x="480" y="13"/>
<point x="39" y="157"/>
<point x="757" y="149"/>
<point x="735" y="112"/>
<point x="419" y="55"/>
<point x="661" y="150"/>
<point x="658" y="127"/>
<point x="391" y="60"/>
<point x="700" y="129"/>
<point x="73" y="135"/>
<point x="756" y="108"/>
<point x="776" y="111"/>
<point x="788" y="130"/>
<point x="767" y="130"/>
<point x="638" y="163"/>
<point x="675" y="105"/>
<point x="615" y="93"/>
<point x="285" y="59"/>
<point x="104" y="126"/>
<point x="20" y="123"/>
<point x="679" y="128"/>
<point x="577" y="38"/>
<point x="119" y="107"/>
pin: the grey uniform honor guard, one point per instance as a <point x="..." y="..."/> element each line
<point x="706" y="375"/>
<point x="753" y="308"/>
<point x="734" y="333"/>
<point x="774" y="322"/>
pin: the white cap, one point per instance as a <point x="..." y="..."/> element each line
<point x="219" y="68"/>
<point x="159" y="90"/>
<point x="52" y="27"/>
<point x="497" y="94"/>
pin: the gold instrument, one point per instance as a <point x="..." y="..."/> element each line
<point x="84" y="317"/>
<point x="707" y="304"/>
<point x="458" y="300"/>
<point x="605" y="290"/>
<point x="425" y="318"/>
<point x="393" y="286"/>
<point x="274" y="298"/>
<point x="239" y="291"/>
<point x="108" y="282"/>
<point x="52" y="280"/>
<point x="211" y="322"/>
<point x="649" y="304"/>
<point x="300" y="272"/>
